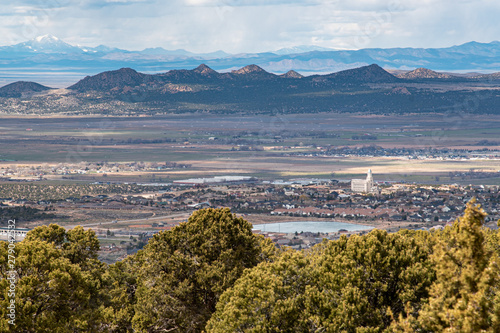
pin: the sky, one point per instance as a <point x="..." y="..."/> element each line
<point x="246" y="26"/>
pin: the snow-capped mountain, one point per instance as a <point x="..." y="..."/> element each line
<point x="32" y="59"/>
<point x="43" y="44"/>
<point x="49" y="44"/>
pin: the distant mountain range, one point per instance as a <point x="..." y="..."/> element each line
<point x="34" y="60"/>
<point x="251" y="89"/>
<point x="128" y="80"/>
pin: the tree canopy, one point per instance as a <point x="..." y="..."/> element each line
<point x="58" y="281"/>
<point x="339" y="286"/>
<point x="184" y="271"/>
<point x="212" y="274"/>
<point x="465" y="296"/>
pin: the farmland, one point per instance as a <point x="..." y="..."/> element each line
<point x="296" y="145"/>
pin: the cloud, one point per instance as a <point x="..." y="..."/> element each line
<point x="124" y="1"/>
<point x="248" y="3"/>
<point x="252" y="26"/>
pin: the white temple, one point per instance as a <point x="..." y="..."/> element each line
<point x="363" y="185"/>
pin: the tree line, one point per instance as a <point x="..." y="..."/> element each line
<point x="40" y="192"/>
<point x="212" y="274"/>
<point x="24" y="214"/>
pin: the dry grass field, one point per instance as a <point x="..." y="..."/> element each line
<point x="263" y="146"/>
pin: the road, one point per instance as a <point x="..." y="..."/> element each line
<point x="147" y="219"/>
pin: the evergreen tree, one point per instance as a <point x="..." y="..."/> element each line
<point x="465" y="295"/>
<point x="272" y="297"/>
<point x="365" y="279"/>
<point x="185" y="270"/>
<point x="58" y="282"/>
<point x="119" y="288"/>
<point x="349" y="285"/>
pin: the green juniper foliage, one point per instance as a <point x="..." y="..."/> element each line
<point x="465" y="295"/>
<point x="212" y="274"/>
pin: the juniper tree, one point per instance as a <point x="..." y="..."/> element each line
<point x="185" y="270"/>
<point x="58" y="281"/>
<point x="349" y="285"/>
<point x="465" y="296"/>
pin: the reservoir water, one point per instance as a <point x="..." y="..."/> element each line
<point x="311" y="226"/>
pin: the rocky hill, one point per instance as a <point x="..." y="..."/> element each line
<point x="291" y="74"/>
<point x="251" y="89"/>
<point x="423" y="73"/>
<point x="21" y="88"/>
<point x="492" y="76"/>
<point x="111" y="80"/>
<point x="205" y="70"/>
<point x="252" y="72"/>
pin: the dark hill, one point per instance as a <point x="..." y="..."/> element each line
<point x="125" y="80"/>
<point x="106" y="81"/>
<point x="17" y="89"/>
<point x="366" y="74"/>
<point x="200" y="74"/>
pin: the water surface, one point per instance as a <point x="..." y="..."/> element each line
<point x="311" y="226"/>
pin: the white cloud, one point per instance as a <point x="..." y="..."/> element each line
<point x="250" y="3"/>
<point x="251" y="26"/>
<point x="124" y="1"/>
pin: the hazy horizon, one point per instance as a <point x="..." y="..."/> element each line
<point x="242" y="26"/>
<point x="290" y="47"/>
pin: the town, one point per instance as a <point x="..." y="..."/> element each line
<point x="131" y="212"/>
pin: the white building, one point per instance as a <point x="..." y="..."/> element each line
<point x="18" y="233"/>
<point x="363" y="185"/>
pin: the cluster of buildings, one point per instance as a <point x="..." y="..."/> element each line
<point x="362" y="200"/>
<point x="30" y="172"/>
<point x="411" y="153"/>
<point x="359" y="201"/>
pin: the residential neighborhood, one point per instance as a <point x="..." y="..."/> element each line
<point x="392" y="206"/>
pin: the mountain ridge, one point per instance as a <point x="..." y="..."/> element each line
<point x="250" y="89"/>
<point x="117" y="80"/>
<point x="29" y="60"/>
<point x="120" y="79"/>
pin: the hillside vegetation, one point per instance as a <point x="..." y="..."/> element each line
<point x="213" y="274"/>
<point x="252" y="90"/>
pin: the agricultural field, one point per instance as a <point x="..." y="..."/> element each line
<point x="288" y="145"/>
<point x="116" y="175"/>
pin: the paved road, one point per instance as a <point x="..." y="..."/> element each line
<point x="130" y="221"/>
